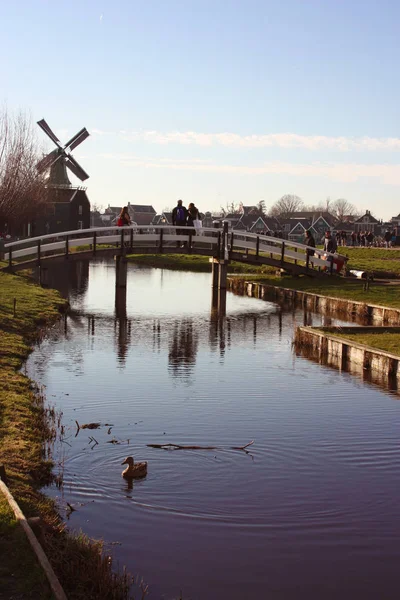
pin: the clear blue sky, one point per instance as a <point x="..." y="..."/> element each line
<point x="215" y="102"/>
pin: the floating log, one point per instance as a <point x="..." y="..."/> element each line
<point x="88" y="425"/>
<point x="183" y="447"/>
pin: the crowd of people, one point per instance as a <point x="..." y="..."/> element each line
<point x="366" y="239"/>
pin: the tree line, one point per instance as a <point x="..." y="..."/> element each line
<point x="22" y="187"/>
<point x="290" y="204"/>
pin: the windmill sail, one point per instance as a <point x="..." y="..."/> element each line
<point x="77" y="139"/>
<point x="59" y="159"/>
<point x="49" y="132"/>
<point x="76" y="169"/>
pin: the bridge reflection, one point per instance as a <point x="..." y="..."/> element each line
<point x="179" y="338"/>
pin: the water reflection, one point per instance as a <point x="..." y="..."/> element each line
<point x="183" y="347"/>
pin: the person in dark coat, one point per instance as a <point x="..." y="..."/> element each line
<point x="179" y="218"/>
<point x="309" y="241"/>
<point x="192" y="215"/>
<point x="387" y="238"/>
<point x="330" y="243"/>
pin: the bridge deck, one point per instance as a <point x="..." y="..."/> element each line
<point x="243" y="247"/>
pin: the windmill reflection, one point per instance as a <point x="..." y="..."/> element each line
<point x="183" y="348"/>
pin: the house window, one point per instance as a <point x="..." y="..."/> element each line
<point x="80" y="224"/>
<point x="80" y="209"/>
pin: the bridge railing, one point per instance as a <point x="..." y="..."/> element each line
<point x="285" y="251"/>
<point x="163" y="237"/>
<point x="159" y="237"/>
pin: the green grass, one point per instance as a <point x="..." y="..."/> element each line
<point x="389" y="342"/>
<point x="383" y="262"/>
<point x="26" y="429"/>
<point x="18" y="581"/>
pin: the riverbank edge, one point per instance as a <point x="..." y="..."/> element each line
<point x="321" y="344"/>
<point x="316" y="302"/>
<point x="27" y="429"/>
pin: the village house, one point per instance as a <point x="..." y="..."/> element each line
<point x="368" y="223"/>
<point x="140" y="214"/>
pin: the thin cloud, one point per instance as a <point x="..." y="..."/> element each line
<point x="277" y="140"/>
<point x="348" y="173"/>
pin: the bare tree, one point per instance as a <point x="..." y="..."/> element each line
<point x="342" y="208"/>
<point x="22" y="188"/>
<point x="230" y="208"/>
<point x="96" y="208"/>
<point x="320" y="207"/>
<point x="286" y="206"/>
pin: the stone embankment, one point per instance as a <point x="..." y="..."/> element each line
<point x="321" y="344"/>
<point x="352" y="309"/>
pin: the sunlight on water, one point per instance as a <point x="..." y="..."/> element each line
<point x="310" y="511"/>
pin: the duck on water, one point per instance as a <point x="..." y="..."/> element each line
<point x="133" y="470"/>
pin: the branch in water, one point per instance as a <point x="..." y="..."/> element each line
<point x="180" y="447"/>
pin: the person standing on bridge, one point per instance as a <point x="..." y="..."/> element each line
<point x="309" y="241"/>
<point x="124" y="217"/>
<point x="179" y="218"/>
<point x="330" y="244"/>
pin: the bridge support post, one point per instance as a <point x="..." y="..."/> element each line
<point x="221" y="302"/>
<point x="121" y="271"/>
<point x="120" y="303"/>
<point x="218" y="286"/>
<point x="43" y="276"/>
<point x="214" y="273"/>
<point x="223" y="272"/>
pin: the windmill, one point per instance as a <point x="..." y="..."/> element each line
<point x="61" y="158"/>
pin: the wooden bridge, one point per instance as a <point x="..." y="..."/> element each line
<point x="220" y="245"/>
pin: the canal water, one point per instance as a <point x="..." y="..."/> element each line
<point x="310" y="511"/>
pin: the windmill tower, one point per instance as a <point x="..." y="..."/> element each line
<point x="68" y="206"/>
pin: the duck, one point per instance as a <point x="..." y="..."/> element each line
<point x="134" y="470"/>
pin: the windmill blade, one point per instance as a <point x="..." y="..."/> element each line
<point x="49" y="132"/>
<point x="48" y="160"/>
<point x="77" y="139"/>
<point x="76" y="168"/>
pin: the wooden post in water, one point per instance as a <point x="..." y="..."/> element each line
<point x="214" y="273"/>
<point x="223" y="271"/>
<point x="121" y="271"/>
<point x="222" y="302"/>
<point x="120" y="303"/>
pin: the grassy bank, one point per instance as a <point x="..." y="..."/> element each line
<point x="336" y="287"/>
<point x="25" y="428"/>
<point x="389" y="342"/>
<point x="383" y="263"/>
